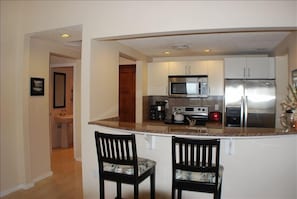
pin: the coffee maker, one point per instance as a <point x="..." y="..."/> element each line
<point x="157" y="111"/>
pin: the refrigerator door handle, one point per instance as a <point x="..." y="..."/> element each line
<point x="245" y="111"/>
<point x="241" y="111"/>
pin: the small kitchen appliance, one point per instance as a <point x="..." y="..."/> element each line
<point x="190" y="114"/>
<point x="215" y="116"/>
<point x="188" y="86"/>
<point x="157" y="111"/>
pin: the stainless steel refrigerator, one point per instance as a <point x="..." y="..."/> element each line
<point x="250" y="103"/>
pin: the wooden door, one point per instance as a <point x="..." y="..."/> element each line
<point x="127" y="87"/>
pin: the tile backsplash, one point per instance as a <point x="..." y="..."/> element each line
<point x="214" y="103"/>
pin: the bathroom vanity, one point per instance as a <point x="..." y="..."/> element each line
<point x="64" y="131"/>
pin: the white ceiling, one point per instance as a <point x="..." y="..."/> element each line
<point x="219" y="44"/>
<point x="54" y="35"/>
<point x="233" y="43"/>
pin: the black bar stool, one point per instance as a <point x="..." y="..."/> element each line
<point x="195" y="166"/>
<point x="118" y="162"/>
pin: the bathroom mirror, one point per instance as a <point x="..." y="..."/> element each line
<point x="59" y="90"/>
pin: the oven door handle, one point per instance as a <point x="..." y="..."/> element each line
<point x="199" y="116"/>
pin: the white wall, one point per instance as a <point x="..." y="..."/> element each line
<point x="77" y="110"/>
<point x="289" y="47"/>
<point x="39" y="135"/>
<point x="104" y="77"/>
<point x="104" y="80"/>
<point x="281" y="71"/>
<point x="99" y="20"/>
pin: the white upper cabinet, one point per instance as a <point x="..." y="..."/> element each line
<point x="250" y="68"/>
<point x="158" y="78"/>
<point x="188" y="68"/>
<point x="235" y="67"/>
<point x="215" y="77"/>
<point x="199" y="68"/>
<point x="158" y="75"/>
<point x="178" y="68"/>
<point x="260" y="67"/>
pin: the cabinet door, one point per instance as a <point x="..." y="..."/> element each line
<point x="198" y="67"/>
<point x="158" y="78"/>
<point x="216" y="77"/>
<point x="235" y="67"/>
<point x="178" y="68"/>
<point x="259" y="68"/>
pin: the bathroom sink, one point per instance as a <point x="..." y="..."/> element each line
<point x="64" y="118"/>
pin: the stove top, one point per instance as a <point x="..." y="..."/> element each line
<point x="199" y="113"/>
<point x="191" y="110"/>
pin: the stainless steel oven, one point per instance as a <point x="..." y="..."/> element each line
<point x="188" y="86"/>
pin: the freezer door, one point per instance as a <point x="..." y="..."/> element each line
<point x="260" y="103"/>
<point x="234" y="98"/>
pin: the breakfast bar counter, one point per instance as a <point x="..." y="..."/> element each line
<point x="210" y="129"/>
<point x="259" y="163"/>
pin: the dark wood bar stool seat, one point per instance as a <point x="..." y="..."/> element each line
<point x="118" y="162"/>
<point x="195" y="166"/>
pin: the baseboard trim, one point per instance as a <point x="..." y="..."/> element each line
<point x="41" y="177"/>
<point x="26" y="186"/>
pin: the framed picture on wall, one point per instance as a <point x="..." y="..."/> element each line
<point x="37" y="86"/>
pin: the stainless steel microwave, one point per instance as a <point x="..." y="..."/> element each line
<point x="188" y="86"/>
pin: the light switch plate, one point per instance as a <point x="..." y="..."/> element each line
<point x="150" y="141"/>
<point x="229" y="146"/>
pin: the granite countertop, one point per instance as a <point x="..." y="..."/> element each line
<point x="210" y="129"/>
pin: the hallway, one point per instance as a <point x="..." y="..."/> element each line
<point x="65" y="183"/>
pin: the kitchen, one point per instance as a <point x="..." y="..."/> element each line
<point x="248" y="63"/>
<point x="26" y="150"/>
<point x="213" y="100"/>
<point x="241" y="146"/>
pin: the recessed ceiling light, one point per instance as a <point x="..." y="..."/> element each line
<point x="65" y="35"/>
<point x="207" y="50"/>
<point x="167" y="53"/>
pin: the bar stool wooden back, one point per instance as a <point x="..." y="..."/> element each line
<point x="195" y="166"/>
<point x="118" y="162"/>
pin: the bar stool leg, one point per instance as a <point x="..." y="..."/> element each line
<point x="153" y="185"/>
<point x="119" y="190"/>
<point x="136" y="191"/>
<point x="101" y="188"/>
<point x="179" y="193"/>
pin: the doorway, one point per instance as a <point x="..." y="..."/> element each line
<point x="71" y="67"/>
<point x="127" y="93"/>
<point x="61" y="107"/>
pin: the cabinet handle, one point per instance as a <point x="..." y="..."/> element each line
<point x="249" y="73"/>
<point x="244" y="72"/>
